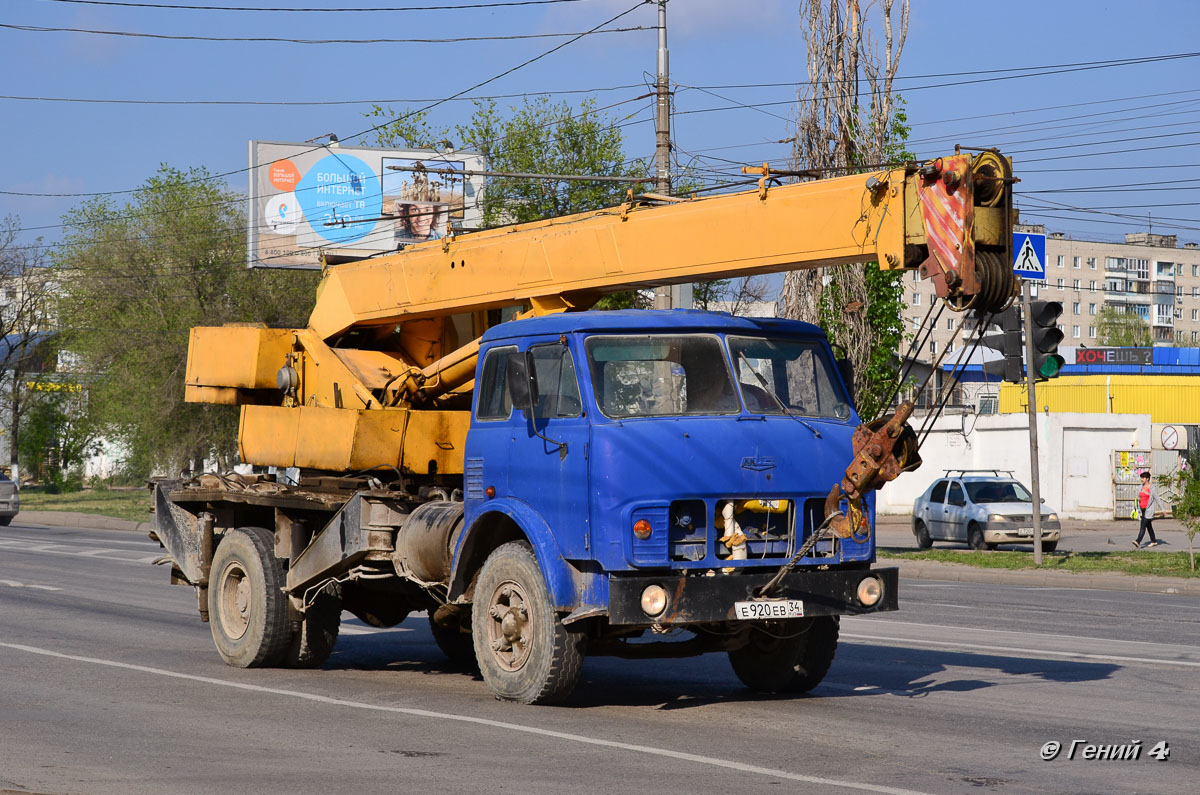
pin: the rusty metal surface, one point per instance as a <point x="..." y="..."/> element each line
<point x="882" y="450"/>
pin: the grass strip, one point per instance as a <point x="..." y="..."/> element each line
<point x="133" y="504"/>
<point x="1161" y="564"/>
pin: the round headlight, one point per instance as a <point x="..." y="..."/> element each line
<point x="870" y="591"/>
<point x="642" y="529"/>
<point x="654" y="600"/>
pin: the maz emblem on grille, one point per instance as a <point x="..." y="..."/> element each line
<point x="758" y="464"/>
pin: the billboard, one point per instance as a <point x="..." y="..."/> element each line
<point x="345" y="202"/>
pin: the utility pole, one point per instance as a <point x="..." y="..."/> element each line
<point x="1030" y="379"/>
<point x="679" y="295"/>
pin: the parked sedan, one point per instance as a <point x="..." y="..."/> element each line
<point x="981" y="510"/>
<point x="10" y="500"/>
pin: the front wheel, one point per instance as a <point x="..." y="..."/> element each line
<point x="1049" y="546"/>
<point x="787" y="656"/>
<point x="975" y="537"/>
<point x="525" y="652"/>
<point x="247" y="609"/>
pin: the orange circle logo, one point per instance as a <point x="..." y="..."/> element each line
<point x="283" y="175"/>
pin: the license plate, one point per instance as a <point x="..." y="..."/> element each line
<point x="768" y="608"/>
<point x="1025" y="531"/>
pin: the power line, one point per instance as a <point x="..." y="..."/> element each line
<point x="284" y="40"/>
<point x="376" y="127"/>
<point x="314" y="102"/>
<point x="314" y="10"/>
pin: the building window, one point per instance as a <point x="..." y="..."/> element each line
<point x="1075" y="262"/>
<point x="1060" y="284"/>
<point x="1178" y="269"/>
<point x="916" y="299"/>
<point x="1196" y="314"/>
<point x="916" y="321"/>
<point x="1193" y="336"/>
<point x="916" y="274"/>
<point x="1196" y="292"/>
<point x="1091" y="309"/>
<point x="1179" y="291"/>
<point x="1075" y="332"/>
<point x="1075" y="284"/>
<point x="1092" y="263"/>
<point x="933" y="347"/>
<point x="1196" y="270"/>
<point x="1092" y="286"/>
<point x="1061" y="260"/>
<point x="1092" y="332"/>
<point x="1075" y="308"/>
<point x="949" y="324"/>
<point x="949" y="347"/>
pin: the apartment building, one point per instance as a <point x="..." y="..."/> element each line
<point x="1148" y="275"/>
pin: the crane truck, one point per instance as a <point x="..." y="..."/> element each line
<point x="457" y="432"/>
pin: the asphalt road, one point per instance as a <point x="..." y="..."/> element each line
<point x="110" y="684"/>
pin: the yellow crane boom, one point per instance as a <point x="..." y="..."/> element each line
<point x="381" y="376"/>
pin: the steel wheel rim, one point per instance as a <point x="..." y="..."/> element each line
<point x="510" y="628"/>
<point x="234" y="601"/>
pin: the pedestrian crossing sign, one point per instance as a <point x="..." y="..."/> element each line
<point x="1029" y="255"/>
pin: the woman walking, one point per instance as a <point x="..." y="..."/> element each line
<point x="1149" y="505"/>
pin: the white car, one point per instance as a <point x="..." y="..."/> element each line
<point x="980" y="510"/>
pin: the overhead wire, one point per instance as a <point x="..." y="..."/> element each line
<point x="316" y="9"/>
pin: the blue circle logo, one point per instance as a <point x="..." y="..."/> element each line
<point x="338" y="195"/>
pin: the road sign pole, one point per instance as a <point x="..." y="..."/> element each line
<point x="1030" y="380"/>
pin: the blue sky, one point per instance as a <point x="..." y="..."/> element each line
<point x="1047" y="121"/>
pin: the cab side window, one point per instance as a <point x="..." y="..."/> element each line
<point x="558" y="388"/>
<point x="956" y="495"/>
<point x="494" y="403"/>
<point x="939" y="493"/>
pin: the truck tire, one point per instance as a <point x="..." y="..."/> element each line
<point x="311" y="646"/>
<point x="791" y="657"/>
<point x="457" y="645"/>
<point x="247" y="608"/>
<point x="922" y="534"/>
<point x="525" y="652"/>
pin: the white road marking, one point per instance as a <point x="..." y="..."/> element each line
<point x="861" y="619"/>
<point x="682" y="756"/>
<point x="66" y="549"/>
<point x="15" y="584"/>
<point x="958" y="644"/>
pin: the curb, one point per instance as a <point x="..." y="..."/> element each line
<point x="90" y="521"/>
<point x="954" y="572"/>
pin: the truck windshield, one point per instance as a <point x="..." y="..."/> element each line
<point x="659" y="375"/>
<point x="1005" y="491"/>
<point x="798" y="372"/>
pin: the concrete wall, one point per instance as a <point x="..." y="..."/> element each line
<point x="1075" y="457"/>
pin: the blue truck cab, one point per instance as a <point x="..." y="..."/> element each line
<point x="663" y="468"/>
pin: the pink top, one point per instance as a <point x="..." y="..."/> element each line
<point x="1144" y="496"/>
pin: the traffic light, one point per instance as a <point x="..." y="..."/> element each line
<point x="1008" y="343"/>
<point x="1046" y="336"/>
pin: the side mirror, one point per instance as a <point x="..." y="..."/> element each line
<point x="846" y="369"/>
<point x="1043" y="500"/>
<point x="521" y="377"/>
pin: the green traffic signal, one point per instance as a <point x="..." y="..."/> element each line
<point x="1046" y="336"/>
<point x="1049" y="366"/>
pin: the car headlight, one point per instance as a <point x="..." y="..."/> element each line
<point x="995" y="517"/>
<point x="1052" y="517"/>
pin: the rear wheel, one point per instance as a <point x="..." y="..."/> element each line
<point x="975" y="536"/>
<point x="922" y="533"/>
<point x="525" y="652"/>
<point x="311" y="646"/>
<point x="247" y="608"/>
<point x="787" y="656"/>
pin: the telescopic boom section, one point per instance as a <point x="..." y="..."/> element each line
<point x="384" y="370"/>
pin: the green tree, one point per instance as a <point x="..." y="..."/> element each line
<point x="57" y="434"/>
<point x="1183" y="489"/>
<point x="135" y="277"/>
<point x="536" y="137"/>
<point x="1121" y="330"/>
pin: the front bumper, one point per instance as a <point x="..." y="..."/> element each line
<point x="1010" y="533"/>
<point x="701" y="599"/>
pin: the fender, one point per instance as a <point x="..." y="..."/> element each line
<point x="573" y="585"/>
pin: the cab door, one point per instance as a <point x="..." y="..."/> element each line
<point x="956" y="512"/>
